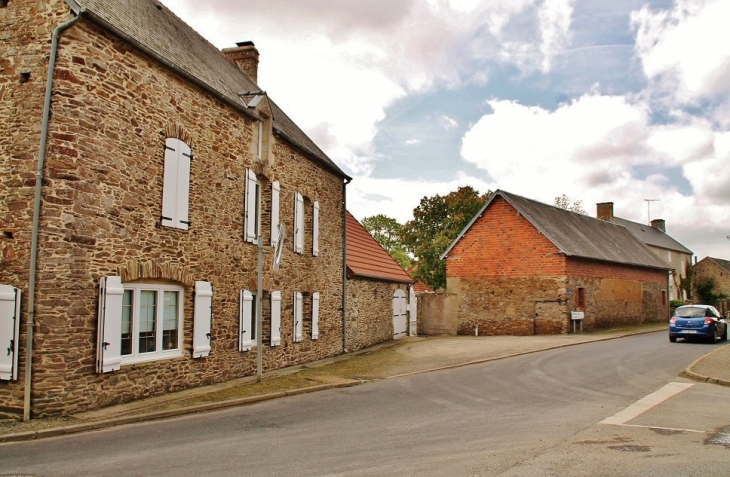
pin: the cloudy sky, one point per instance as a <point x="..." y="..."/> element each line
<point x="603" y="101"/>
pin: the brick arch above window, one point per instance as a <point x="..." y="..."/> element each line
<point x="179" y="132"/>
<point x="154" y="269"/>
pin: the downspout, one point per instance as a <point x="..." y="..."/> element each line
<point x="37" y="213"/>
<point x="344" y="265"/>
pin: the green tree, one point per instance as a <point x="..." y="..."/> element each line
<point x="564" y="203"/>
<point x="436" y="222"/>
<point x="386" y="231"/>
<point x="706" y="292"/>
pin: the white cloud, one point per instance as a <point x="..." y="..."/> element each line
<point x="555" y="20"/>
<point x="588" y="149"/>
<point x="686" y="51"/>
<point x="412" y="142"/>
<point x="448" y="122"/>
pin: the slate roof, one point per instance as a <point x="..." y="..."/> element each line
<point x="366" y="258"/>
<point x="652" y="236"/>
<point x="577" y="235"/>
<point x="724" y="264"/>
<point x="154" y="29"/>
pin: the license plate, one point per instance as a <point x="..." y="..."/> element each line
<point x="689" y="331"/>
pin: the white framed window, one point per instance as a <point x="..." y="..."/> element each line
<point x="259" y="140"/>
<point x="176" y="184"/>
<point x="252" y="208"/>
<point x="152" y="318"/>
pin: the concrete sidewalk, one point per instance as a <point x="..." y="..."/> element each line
<point x="392" y="359"/>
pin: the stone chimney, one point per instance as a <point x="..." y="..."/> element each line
<point x="659" y="224"/>
<point x="604" y="211"/>
<point x="246" y="57"/>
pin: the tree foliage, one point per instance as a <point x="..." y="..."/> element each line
<point x="386" y="231"/>
<point x="706" y="292"/>
<point x="436" y="222"/>
<point x="564" y="203"/>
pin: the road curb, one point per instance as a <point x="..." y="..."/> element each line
<point x="689" y="373"/>
<point x="151" y="416"/>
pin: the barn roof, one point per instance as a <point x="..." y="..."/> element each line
<point x="366" y="258"/>
<point x="577" y="235"/>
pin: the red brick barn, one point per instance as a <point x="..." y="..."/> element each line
<point x="520" y="267"/>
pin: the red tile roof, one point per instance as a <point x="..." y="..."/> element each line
<point x="367" y="258"/>
<point x="420" y="287"/>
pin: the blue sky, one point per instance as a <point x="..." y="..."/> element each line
<point x="603" y="101"/>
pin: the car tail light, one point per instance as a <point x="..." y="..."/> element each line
<point x="708" y="321"/>
<point x="673" y="320"/>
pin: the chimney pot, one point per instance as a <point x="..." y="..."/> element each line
<point x="246" y="57"/>
<point x="604" y="211"/>
<point x="659" y="224"/>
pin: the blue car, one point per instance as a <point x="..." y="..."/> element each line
<point x="697" y="322"/>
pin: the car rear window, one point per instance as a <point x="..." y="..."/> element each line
<point x="690" y="312"/>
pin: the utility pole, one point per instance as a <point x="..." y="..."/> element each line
<point x="648" y="208"/>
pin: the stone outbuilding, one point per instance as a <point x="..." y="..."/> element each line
<point x="715" y="269"/>
<point x="141" y="173"/>
<point x="667" y="248"/>
<point x="381" y="301"/>
<point x="521" y="267"/>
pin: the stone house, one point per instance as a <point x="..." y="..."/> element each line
<point x="661" y="243"/>
<point x="521" y="267"/>
<point x="715" y="269"/>
<point x="379" y="291"/>
<point x="141" y="172"/>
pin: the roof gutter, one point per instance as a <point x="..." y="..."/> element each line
<point x="37" y="211"/>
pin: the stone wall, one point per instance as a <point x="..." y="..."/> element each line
<point x="437" y="313"/>
<point x="112" y="110"/>
<point x="370" y="311"/>
<point x="708" y="270"/>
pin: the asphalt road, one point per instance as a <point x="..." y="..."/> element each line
<point x="538" y="414"/>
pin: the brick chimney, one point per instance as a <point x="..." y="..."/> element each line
<point x="246" y="57"/>
<point x="659" y="224"/>
<point x="604" y="211"/>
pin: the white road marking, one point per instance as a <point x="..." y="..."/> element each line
<point x="646" y="403"/>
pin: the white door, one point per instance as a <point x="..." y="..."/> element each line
<point x="400" y="317"/>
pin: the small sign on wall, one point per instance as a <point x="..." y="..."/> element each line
<point x="576" y="315"/>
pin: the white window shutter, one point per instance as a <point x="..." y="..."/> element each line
<point x="183" y="186"/>
<point x="315" y="315"/>
<point x="202" y="319"/>
<point x="249" y="219"/>
<point x="275" y="190"/>
<point x="315" y="229"/>
<point x="9" y="331"/>
<point x="299" y="223"/>
<point x="275" y="318"/>
<point x="298" y="314"/>
<point x="176" y="184"/>
<point x="245" y="320"/>
<point x="109" y="334"/>
<point x="169" y="185"/>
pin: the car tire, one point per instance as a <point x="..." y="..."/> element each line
<point x="723" y="337"/>
<point x="712" y="339"/>
<point x="673" y="339"/>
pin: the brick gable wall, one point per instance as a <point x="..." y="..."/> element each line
<point x="503" y="243"/>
